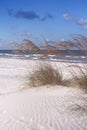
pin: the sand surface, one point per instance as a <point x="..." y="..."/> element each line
<point x="55" y="108"/>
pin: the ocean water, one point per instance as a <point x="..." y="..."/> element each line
<point x="7" y="54"/>
<point x="13" y="54"/>
<point x="74" y="55"/>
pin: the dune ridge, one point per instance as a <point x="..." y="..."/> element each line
<point x="43" y="108"/>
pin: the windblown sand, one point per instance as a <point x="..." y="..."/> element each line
<point x="42" y="108"/>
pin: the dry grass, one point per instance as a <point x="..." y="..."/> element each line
<point x="46" y="74"/>
<point x="79" y="76"/>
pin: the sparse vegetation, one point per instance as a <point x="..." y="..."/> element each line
<point x="79" y="76"/>
<point x="46" y="74"/>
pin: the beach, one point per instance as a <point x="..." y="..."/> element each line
<point x="42" y="108"/>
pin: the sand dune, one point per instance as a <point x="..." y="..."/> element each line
<point x="55" y="108"/>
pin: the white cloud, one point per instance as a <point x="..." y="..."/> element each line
<point x="84" y="27"/>
<point x="81" y="21"/>
<point x="67" y="16"/>
<point x="62" y="39"/>
<point x="23" y="33"/>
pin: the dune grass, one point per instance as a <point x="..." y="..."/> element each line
<point x="46" y="74"/>
<point x="79" y="76"/>
<point x="81" y="80"/>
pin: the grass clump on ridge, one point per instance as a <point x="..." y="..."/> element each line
<point x="81" y="80"/>
<point x="46" y="74"/>
<point x="79" y="76"/>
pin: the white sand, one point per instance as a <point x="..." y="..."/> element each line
<point x="56" y="108"/>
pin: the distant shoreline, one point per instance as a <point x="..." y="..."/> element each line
<point x="51" y="57"/>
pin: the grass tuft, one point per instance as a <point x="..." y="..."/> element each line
<point x="46" y="74"/>
<point x="79" y="74"/>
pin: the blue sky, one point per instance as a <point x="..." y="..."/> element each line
<point x="52" y="19"/>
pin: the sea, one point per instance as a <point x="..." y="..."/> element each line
<point x="71" y="56"/>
